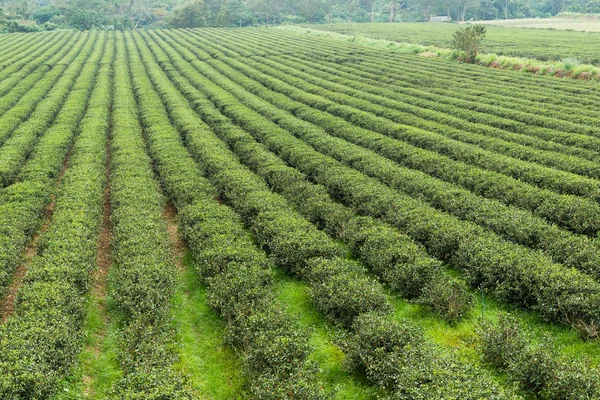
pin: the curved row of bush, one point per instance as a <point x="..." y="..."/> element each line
<point x="339" y="48"/>
<point x="339" y="287"/>
<point x="19" y="52"/>
<point x="537" y="138"/>
<point x="23" y="109"/>
<point x="412" y="76"/>
<point x="239" y="276"/>
<point x="513" y="273"/>
<point x="428" y="101"/>
<point x="515" y="120"/>
<point x="513" y="224"/>
<point x="367" y="115"/>
<point x="12" y="87"/>
<point x="437" y="121"/>
<point x="22" y="203"/>
<point x="516" y="225"/>
<point x="10" y="42"/>
<point x="146" y="279"/>
<point x="395" y="258"/>
<point x="417" y="116"/>
<point x="580" y="215"/>
<point x="536" y="368"/>
<point x="40" y="343"/>
<point x="580" y="121"/>
<point x="74" y="84"/>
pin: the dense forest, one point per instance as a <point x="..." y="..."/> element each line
<point x="36" y="15"/>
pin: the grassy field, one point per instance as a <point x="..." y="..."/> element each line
<point x="265" y="214"/>
<point x="565" y="21"/>
<point x="541" y="44"/>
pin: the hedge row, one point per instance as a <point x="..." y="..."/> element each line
<point x="352" y="110"/>
<point x="145" y="279"/>
<point x="413" y="76"/>
<point x="11" y="42"/>
<point x="516" y="225"/>
<point x="339" y="288"/>
<point x="22" y="203"/>
<point x="74" y="84"/>
<point x="407" y="113"/>
<point x="350" y="52"/>
<point x="24" y="108"/>
<point x="513" y="273"/>
<point x="39" y="344"/>
<point x="14" y="59"/>
<point x="537" y="369"/>
<point x="537" y="138"/>
<point x="372" y="66"/>
<point x="518" y="121"/>
<point x="394" y="257"/>
<point x="405" y="66"/>
<point x="15" y="84"/>
<point x="578" y="214"/>
<point x="239" y="276"/>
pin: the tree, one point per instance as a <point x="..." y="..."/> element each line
<point x="190" y="15"/>
<point x="469" y="40"/>
<point x="330" y="5"/>
<point x="369" y="5"/>
<point x="3" y="17"/>
<point x="463" y="6"/>
<point x="311" y="10"/>
<point x="350" y="4"/>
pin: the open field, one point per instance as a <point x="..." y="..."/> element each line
<point x="541" y="44"/>
<point x="262" y="214"/>
<point x="584" y="23"/>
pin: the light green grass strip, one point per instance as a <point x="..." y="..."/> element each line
<point x="101" y="365"/>
<point x="326" y="353"/>
<point x="215" y="370"/>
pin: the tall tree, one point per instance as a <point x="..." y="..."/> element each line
<point x="190" y="15"/>
<point x="311" y="10"/>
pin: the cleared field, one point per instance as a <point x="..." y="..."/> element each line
<point x="256" y="213"/>
<point x="584" y="23"/>
<point x="541" y="44"/>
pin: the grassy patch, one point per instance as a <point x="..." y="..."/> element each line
<point x="215" y="370"/>
<point x="462" y="336"/>
<point x="98" y="368"/>
<point x="326" y="353"/>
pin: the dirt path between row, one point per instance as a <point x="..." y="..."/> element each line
<point x="177" y="244"/>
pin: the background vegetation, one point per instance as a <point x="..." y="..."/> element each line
<point x="38" y="15"/>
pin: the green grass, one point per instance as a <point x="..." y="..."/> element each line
<point x="326" y="353"/>
<point x="216" y="372"/>
<point x="462" y="337"/>
<point x="98" y="361"/>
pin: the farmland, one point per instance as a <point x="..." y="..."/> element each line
<point x="540" y="44"/>
<point x="565" y="21"/>
<point x="259" y="213"/>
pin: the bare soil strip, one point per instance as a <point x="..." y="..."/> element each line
<point x="177" y="244"/>
<point x="7" y="304"/>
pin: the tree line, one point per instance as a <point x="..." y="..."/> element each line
<point x="35" y="15"/>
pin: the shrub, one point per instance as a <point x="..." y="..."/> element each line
<point x="537" y="369"/>
<point x="501" y="342"/>
<point x="570" y="63"/>
<point x="342" y="291"/>
<point x="394" y="356"/>
<point x="450" y="298"/>
<point x="468" y="40"/>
